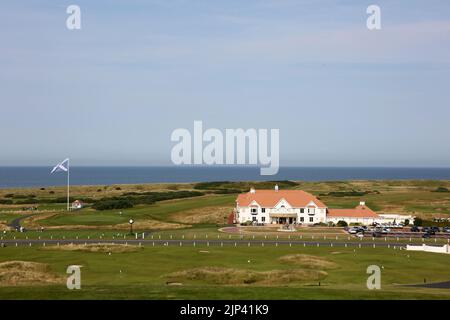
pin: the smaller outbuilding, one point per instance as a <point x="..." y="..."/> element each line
<point x="77" y="204"/>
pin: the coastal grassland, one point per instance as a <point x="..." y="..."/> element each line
<point x="94" y="191"/>
<point x="223" y="273"/>
<point x="416" y="197"/>
<point x="165" y="211"/>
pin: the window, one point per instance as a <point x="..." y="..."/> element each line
<point x="254" y="218"/>
<point x="254" y="210"/>
<point x="311" y="219"/>
<point x="263" y="210"/>
<point x="302" y="219"/>
<point x="302" y="210"/>
<point x="263" y="219"/>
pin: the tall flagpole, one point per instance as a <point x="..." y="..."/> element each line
<point x="68" y="183"/>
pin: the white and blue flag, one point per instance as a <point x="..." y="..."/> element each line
<point x="62" y="166"/>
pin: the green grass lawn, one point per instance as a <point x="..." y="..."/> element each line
<point x="8" y="217"/>
<point x="414" y="197"/>
<point x="143" y="274"/>
<point x="162" y="211"/>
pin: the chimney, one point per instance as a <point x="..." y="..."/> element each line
<point x="276" y="188"/>
<point x="252" y="190"/>
<point x="362" y="203"/>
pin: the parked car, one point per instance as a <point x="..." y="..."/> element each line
<point x="355" y="230"/>
<point x="376" y="234"/>
<point x="446" y="229"/>
<point x="435" y="229"/>
<point x="415" y="229"/>
<point x="426" y="235"/>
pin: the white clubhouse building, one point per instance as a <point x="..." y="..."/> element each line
<point x="299" y="207"/>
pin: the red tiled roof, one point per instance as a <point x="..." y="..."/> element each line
<point x="358" y="212"/>
<point x="269" y="198"/>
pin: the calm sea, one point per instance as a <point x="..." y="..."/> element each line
<point x="11" y="177"/>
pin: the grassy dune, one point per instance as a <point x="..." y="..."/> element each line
<point x="234" y="273"/>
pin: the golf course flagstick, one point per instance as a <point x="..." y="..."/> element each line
<point x="64" y="166"/>
<point x="68" y="184"/>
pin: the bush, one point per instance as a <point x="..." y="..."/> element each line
<point x="135" y="198"/>
<point x="210" y="185"/>
<point x="320" y="224"/>
<point x="226" y="191"/>
<point x="244" y="186"/>
<point x="352" y="193"/>
<point x="342" y="223"/>
<point x="112" y="204"/>
<point x="152" y="197"/>
<point x="6" y="201"/>
<point x="441" y="189"/>
<point x="27" y="201"/>
<point x="22" y="196"/>
<point x="418" y="222"/>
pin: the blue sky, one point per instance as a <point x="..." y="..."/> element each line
<point x="113" y="92"/>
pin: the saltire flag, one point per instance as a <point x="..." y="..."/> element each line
<point x="62" y="166"/>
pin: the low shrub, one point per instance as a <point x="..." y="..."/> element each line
<point x="342" y="223"/>
<point x="441" y="189"/>
<point x="112" y="204"/>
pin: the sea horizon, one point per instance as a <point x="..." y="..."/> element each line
<point x="39" y="176"/>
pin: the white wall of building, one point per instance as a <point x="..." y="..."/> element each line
<point x="397" y="218"/>
<point x="254" y="212"/>
<point x="349" y="220"/>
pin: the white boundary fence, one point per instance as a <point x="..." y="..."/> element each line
<point x="427" y="248"/>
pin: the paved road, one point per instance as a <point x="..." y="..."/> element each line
<point x="435" y="285"/>
<point x="217" y="243"/>
<point x="16" y="222"/>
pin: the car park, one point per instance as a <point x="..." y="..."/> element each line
<point x="376" y="234"/>
<point x="356" y="230"/>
